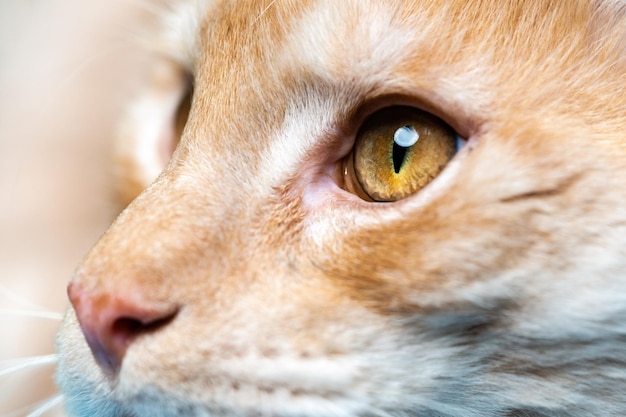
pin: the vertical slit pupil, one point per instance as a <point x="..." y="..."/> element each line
<point x="398" y="156"/>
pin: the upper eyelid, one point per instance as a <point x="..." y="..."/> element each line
<point x="462" y="125"/>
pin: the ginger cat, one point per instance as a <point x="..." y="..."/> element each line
<point x="374" y="208"/>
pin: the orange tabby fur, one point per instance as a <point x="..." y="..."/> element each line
<point x="247" y="281"/>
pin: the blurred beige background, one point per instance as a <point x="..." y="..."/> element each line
<point x="67" y="69"/>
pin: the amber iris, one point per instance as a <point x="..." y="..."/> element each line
<point x="399" y="150"/>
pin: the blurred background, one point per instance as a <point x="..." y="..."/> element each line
<point x="67" y="70"/>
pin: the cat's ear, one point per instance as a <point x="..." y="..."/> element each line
<point x="151" y="129"/>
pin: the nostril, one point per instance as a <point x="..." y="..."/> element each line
<point x="125" y="329"/>
<point x="111" y="322"/>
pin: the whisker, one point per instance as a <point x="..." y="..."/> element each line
<point x="38" y="409"/>
<point x="27" y="363"/>
<point x="29" y="313"/>
<point x="5" y="292"/>
<point x="46" y="406"/>
<point x="263" y="12"/>
<point x="80" y="69"/>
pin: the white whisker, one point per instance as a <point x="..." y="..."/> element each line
<point x="26" y="363"/>
<point x="263" y="12"/>
<point x="38" y="409"/>
<point x="29" y="313"/>
<point x="5" y="292"/>
<point x="46" y="406"/>
<point x="66" y="82"/>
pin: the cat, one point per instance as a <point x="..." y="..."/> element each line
<point x="366" y="208"/>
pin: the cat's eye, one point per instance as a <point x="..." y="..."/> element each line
<point x="397" y="152"/>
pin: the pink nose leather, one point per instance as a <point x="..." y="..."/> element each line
<point x="110" y="322"/>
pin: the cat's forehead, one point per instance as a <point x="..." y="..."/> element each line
<point x="373" y="36"/>
<point x="455" y="52"/>
<point x="356" y="43"/>
<point x="325" y="59"/>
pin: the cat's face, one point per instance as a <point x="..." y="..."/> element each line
<point x="260" y="275"/>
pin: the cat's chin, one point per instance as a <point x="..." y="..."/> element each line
<point x="85" y="387"/>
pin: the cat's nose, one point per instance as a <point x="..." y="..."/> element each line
<point x="111" y="321"/>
